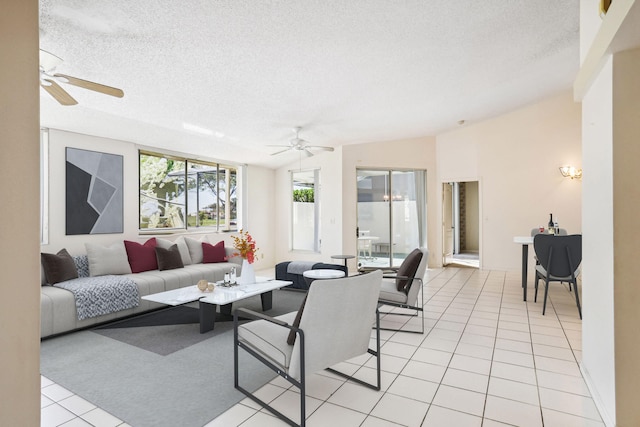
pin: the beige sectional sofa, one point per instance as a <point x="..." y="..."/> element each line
<point x="58" y="306"/>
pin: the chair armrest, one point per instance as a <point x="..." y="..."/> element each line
<point x="259" y="316"/>
<point x="397" y="277"/>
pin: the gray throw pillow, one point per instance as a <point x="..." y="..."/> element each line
<point x="182" y="247"/>
<point x="58" y="267"/>
<point x="111" y="260"/>
<point x="195" y="248"/>
<point x="169" y="259"/>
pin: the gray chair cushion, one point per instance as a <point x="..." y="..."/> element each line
<point x="269" y="341"/>
<point x="390" y="292"/>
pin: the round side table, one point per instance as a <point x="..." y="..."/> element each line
<point x="320" y="274"/>
<point x="343" y="257"/>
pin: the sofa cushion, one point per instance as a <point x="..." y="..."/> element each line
<point x="169" y="259"/>
<point x="182" y="247"/>
<point x="141" y="257"/>
<point x="213" y="253"/>
<point x="58" y="267"/>
<point x="107" y="260"/>
<point x="195" y="248"/>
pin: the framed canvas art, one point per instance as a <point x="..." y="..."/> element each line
<point x="94" y="200"/>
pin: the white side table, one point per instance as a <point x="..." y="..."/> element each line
<point x="320" y="274"/>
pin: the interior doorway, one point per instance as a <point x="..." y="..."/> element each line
<point x="461" y="223"/>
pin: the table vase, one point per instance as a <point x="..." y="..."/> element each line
<point x="247" y="274"/>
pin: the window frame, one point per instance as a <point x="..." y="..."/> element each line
<point x="317" y="239"/>
<point x="226" y="168"/>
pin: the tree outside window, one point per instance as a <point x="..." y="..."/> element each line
<point x="181" y="193"/>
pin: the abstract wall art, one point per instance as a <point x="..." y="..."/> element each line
<point x="94" y="200"/>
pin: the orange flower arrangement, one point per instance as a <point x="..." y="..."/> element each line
<point x="245" y="246"/>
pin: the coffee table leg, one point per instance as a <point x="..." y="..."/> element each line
<point x="267" y="300"/>
<point x="226" y="309"/>
<point x="207" y="317"/>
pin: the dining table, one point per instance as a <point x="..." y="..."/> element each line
<point x="525" y="241"/>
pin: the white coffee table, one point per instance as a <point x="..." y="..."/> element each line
<point x="221" y="296"/>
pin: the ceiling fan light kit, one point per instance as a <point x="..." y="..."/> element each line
<point x="49" y="81"/>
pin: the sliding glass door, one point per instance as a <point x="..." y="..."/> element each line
<point x="391" y="215"/>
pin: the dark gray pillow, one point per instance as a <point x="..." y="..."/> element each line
<point x="169" y="259"/>
<point x="408" y="268"/>
<point x="58" y="267"/>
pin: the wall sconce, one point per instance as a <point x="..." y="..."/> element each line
<point x="571" y="172"/>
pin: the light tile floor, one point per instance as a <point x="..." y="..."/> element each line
<point x="486" y="359"/>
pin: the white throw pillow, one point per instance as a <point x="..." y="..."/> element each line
<point x="195" y="248"/>
<point x="111" y="260"/>
<point x="182" y="247"/>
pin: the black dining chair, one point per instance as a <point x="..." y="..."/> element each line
<point x="560" y="258"/>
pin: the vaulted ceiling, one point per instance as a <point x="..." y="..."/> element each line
<point x="226" y="78"/>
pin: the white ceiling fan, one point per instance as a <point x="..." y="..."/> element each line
<point x="299" y="144"/>
<point x="49" y="81"/>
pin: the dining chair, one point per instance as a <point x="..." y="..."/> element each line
<point x="560" y="258"/>
<point x="402" y="288"/>
<point x="561" y="232"/>
<point x="333" y="325"/>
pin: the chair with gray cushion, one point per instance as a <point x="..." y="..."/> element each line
<point x="332" y="326"/>
<point x="403" y="288"/>
<point x="560" y="258"/>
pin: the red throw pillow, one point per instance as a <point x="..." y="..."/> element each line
<point x="142" y="257"/>
<point x="213" y="253"/>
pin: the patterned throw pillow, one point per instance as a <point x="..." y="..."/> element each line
<point x="82" y="265"/>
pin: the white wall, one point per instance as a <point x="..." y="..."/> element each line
<point x="597" y="251"/>
<point x="515" y="157"/>
<point x="260" y="207"/>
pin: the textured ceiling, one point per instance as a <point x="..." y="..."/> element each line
<point x="347" y="71"/>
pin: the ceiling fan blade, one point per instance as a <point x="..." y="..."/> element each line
<point x="307" y="152"/>
<point x="320" y="147"/>
<point x="58" y="93"/>
<point x="280" y="152"/>
<point x="96" y="87"/>
<point x="281" y="145"/>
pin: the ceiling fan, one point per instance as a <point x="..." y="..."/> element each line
<point x="49" y="81"/>
<point x="299" y="144"/>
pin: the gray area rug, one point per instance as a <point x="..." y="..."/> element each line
<point x="165" y="331"/>
<point x="189" y="386"/>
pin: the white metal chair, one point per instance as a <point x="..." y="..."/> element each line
<point x="402" y="289"/>
<point x="334" y="325"/>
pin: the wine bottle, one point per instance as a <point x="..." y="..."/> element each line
<point x="550" y="226"/>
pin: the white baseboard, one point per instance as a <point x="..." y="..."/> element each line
<point x="597" y="399"/>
